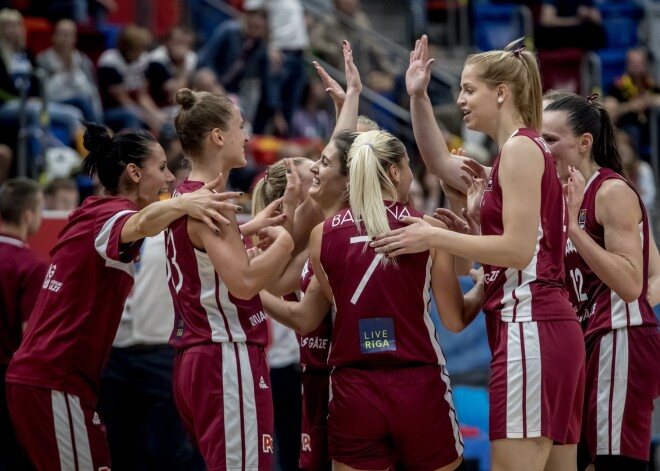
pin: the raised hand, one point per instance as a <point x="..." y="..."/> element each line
<point x="332" y="88"/>
<point x="475" y="193"/>
<point x="353" y="82"/>
<point x="293" y="191"/>
<point x="418" y="74"/>
<point x="271" y="215"/>
<point x="269" y="234"/>
<point x="574" y="192"/>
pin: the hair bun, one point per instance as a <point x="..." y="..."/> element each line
<point x="185" y="97"/>
<point x="96" y="137"/>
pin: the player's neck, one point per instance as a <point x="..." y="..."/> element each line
<point x="208" y="173"/>
<point x="13" y="230"/>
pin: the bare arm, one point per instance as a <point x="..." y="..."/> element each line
<point x="243" y="277"/>
<point x="521" y="170"/>
<point x="289" y="280"/>
<point x="429" y="138"/>
<point x="653" y="293"/>
<point x="315" y="258"/>
<point x="303" y="316"/>
<point x="620" y="264"/>
<point x="203" y="204"/>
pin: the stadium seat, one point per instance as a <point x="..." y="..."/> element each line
<point x="620" y="21"/>
<point x="496" y="25"/>
<point x="560" y="69"/>
<point x="613" y="65"/>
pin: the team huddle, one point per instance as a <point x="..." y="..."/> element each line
<point x="569" y="272"/>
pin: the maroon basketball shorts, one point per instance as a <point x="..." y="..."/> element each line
<point x="537" y="380"/>
<point x="374" y="412"/>
<point x="57" y="430"/>
<point x="623" y="379"/>
<point x="223" y="394"/>
<point x="314" y="437"/>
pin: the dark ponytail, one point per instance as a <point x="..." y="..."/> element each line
<point x="585" y="115"/>
<point x="109" y="156"/>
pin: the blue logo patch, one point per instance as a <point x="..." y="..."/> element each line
<point x="377" y="335"/>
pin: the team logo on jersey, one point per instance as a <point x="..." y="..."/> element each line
<point x="96" y="420"/>
<point x="305" y="442"/>
<point x="314" y="342"/>
<point x="305" y="270"/>
<point x="49" y="283"/>
<point x="582" y="218"/>
<point x="267" y="443"/>
<point x="262" y="383"/>
<point x="377" y="335"/>
<point x="489" y="184"/>
<point x="257" y="318"/>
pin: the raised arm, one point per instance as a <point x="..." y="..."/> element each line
<point x="620" y="264"/>
<point x="428" y="136"/>
<point x="303" y="316"/>
<point x="204" y="204"/>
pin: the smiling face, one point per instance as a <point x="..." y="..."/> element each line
<point x="235" y="138"/>
<point x="328" y="183"/>
<point x="155" y="177"/>
<point x="477" y="100"/>
<point x="563" y="144"/>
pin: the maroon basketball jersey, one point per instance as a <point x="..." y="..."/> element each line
<point x="382" y="312"/>
<point x="204" y="309"/>
<point x="537" y="292"/>
<point x="314" y="347"/>
<point x="600" y="308"/>
<point x="21" y="276"/>
<point x="71" y="329"/>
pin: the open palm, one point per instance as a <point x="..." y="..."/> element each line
<point x="418" y="74"/>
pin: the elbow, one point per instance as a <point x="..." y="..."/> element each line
<point x="242" y="290"/>
<point x="520" y="260"/>
<point x="304" y="329"/>
<point x="454" y="325"/>
<point x="630" y="294"/>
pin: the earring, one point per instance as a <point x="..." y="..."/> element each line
<point x="500" y="99"/>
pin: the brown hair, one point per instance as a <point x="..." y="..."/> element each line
<point x="133" y="37"/>
<point x="200" y="113"/>
<point x="519" y="69"/>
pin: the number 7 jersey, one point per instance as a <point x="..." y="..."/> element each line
<point x="598" y="307"/>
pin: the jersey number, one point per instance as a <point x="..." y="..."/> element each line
<point x="172" y="265"/>
<point x="578" y="281"/>
<point x="368" y="273"/>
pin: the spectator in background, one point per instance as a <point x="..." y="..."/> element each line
<point x="21" y="276"/>
<point x="636" y="171"/>
<point x="630" y="99"/>
<point x="205" y="80"/>
<point x="287" y="42"/>
<point x="171" y="66"/>
<point x="312" y="120"/>
<point x="237" y="52"/>
<point x="62" y="194"/>
<point x="6" y="159"/>
<point x="17" y="73"/>
<point x="123" y="84"/>
<point x="371" y="56"/>
<point x="70" y="74"/>
<point x="570" y="23"/>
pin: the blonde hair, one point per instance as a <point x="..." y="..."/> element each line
<point x="519" y="69"/>
<point x="272" y="185"/>
<point x="367" y="123"/>
<point x="369" y="160"/>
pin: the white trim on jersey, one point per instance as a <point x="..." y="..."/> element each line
<point x="523" y="381"/>
<point x="232" y="384"/>
<point x="611" y="392"/>
<point x="591" y="180"/>
<point x="430" y="327"/>
<point x="458" y="438"/>
<point x="80" y="456"/>
<point x="103" y="238"/>
<point x="212" y="290"/>
<point x="12" y="241"/>
<point x="516" y="292"/>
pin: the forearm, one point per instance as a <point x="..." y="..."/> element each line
<point x="347" y="120"/>
<point x="261" y="269"/>
<point x="152" y="220"/>
<point x="654" y="290"/>
<point x="432" y="145"/>
<point x="282" y="311"/>
<point x="288" y="279"/>
<point x="614" y="270"/>
<point x="308" y="216"/>
<point x="472" y="303"/>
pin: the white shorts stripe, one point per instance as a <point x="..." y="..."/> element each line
<point x="458" y="439"/>
<point x="534" y="374"/>
<point x="612" y="390"/>
<point x="232" y="404"/>
<point x="64" y="404"/>
<point x="524" y="381"/>
<point x="514" y="380"/>
<point x="250" y="422"/>
<point x="62" y="430"/>
<point x="83" y="451"/>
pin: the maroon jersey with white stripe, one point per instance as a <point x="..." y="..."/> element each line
<point x="315" y="346"/>
<point x="600" y="308"/>
<point x="537" y="292"/>
<point x="205" y="311"/>
<point x="21" y="276"/>
<point x="71" y="329"/>
<point x="382" y="312"/>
